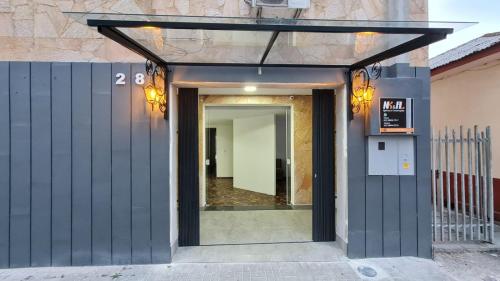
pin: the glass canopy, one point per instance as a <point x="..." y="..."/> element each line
<point x="190" y="40"/>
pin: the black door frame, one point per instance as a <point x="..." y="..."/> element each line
<point x="323" y="165"/>
<point x="189" y="195"/>
<point x="323" y="205"/>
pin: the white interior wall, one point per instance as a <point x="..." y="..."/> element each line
<point x="254" y="150"/>
<point x="172" y="110"/>
<point x="341" y="162"/>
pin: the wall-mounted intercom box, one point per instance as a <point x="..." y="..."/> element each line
<point x="391" y="155"/>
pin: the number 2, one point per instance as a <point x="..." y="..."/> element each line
<point x="120" y="79"/>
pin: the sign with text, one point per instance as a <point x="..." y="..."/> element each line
<point x="396" y="115"/>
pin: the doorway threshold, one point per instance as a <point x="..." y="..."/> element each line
<point x="252" y="208"/>
<point x="255" y="226"/>
<point x="264" y="252"/>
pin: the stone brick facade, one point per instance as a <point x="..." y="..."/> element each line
<point x="37" y="30"/>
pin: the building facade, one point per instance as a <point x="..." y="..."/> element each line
<point x="90" y="173"/>
<point x="463" y="92"/>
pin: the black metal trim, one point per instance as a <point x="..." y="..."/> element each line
<point x="260" y="65"/>
<point x="350" y="112"/>
<point x="269" y="46"/>
<point x="403" y="48"/>
<point x="267" y="27"/>
<point x="124" y="40"/>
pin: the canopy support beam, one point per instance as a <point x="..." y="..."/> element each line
<point x="121" y="38"/>
<point x="409" y="46"/>
<point x="270" y="44"/>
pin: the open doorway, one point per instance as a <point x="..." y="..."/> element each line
<point x="305" y="215"/>
<point x="247" y="157"/>
<point x="250" y="197"/>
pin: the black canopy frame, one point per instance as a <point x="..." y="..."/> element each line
<point x="426" y="36"/>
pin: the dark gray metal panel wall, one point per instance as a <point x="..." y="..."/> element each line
<point x="4" y="164"/>
<point x="84" y="167"/>
<point x="390" y="207"/>
<point x="101" y="163"/>
<point x="356" y="191"/>
<point x="141" y="175"/>
<point x="61" y="164"/>
<point x="423" y="165"/>
<point x="121" y="169"/>
<point x="81" y="164"/>
<point x="374" y="217"/>
<point x="20" y="164"/>
<point x="160" y="196"/>
<point x="408" y="193"/>
<point x="390" y="215"/>
<point x="41" y="151"/>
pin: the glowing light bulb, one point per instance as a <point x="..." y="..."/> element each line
<point x="250" y="88"/>
<point x="152" y="94"/>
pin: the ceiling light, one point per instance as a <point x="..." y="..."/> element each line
<point x="250" y="88"/>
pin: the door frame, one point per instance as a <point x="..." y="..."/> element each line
<point x="324" y="187"/>
<point x="189" y="180"/>
<point x="203" y="175"/>
<point x="188" y="165"/>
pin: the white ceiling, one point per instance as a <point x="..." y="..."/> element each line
<point x="259" y="91"/>
<point x="219" y="115"/>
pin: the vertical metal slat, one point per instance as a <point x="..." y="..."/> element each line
<point x="462" y="182"/>
<point x="448" y="186"/>
<point x="455" y="185"/>
<point x="476" y="160"/>
<point x="471" y="195"/>
<point x="433" y="184"/>
<point x="490" y="186"/>
<point x="484" y="187"/>
<point x="441" y="194"/>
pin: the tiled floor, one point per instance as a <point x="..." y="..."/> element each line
<point x="255" y="226"/>
<point x="220" y="192"/>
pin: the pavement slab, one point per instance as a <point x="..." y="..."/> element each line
<point x="384" y="269"/>
<point x="481" y="266"/>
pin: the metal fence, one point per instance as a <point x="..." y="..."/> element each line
<point x="462" y="186"/>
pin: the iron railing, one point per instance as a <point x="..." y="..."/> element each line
<point x="462" y="185"/>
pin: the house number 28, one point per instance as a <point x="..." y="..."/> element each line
<point x="120" y="79"/>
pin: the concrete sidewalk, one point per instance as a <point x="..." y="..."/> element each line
<point x="380" y="269"/>
<point x="282" y="261"/>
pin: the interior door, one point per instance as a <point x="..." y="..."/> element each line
<point x="189" y="196"/>
<point x="288" y="160"/>
<point x="210" y="151"/>
<point x="323" y="165"/>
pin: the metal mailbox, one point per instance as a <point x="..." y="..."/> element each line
<point x="391" y="155"/>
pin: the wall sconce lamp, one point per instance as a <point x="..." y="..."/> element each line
<point x="362" y="90"/>
<point x="155" y="86"/>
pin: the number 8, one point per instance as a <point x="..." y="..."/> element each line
<point x="139" y="78"/>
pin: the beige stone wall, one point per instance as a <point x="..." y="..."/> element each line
<point x="302" y="134"/>
<point x="37" y="30"/>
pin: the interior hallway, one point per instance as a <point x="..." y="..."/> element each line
<point x="220" y="192"/>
